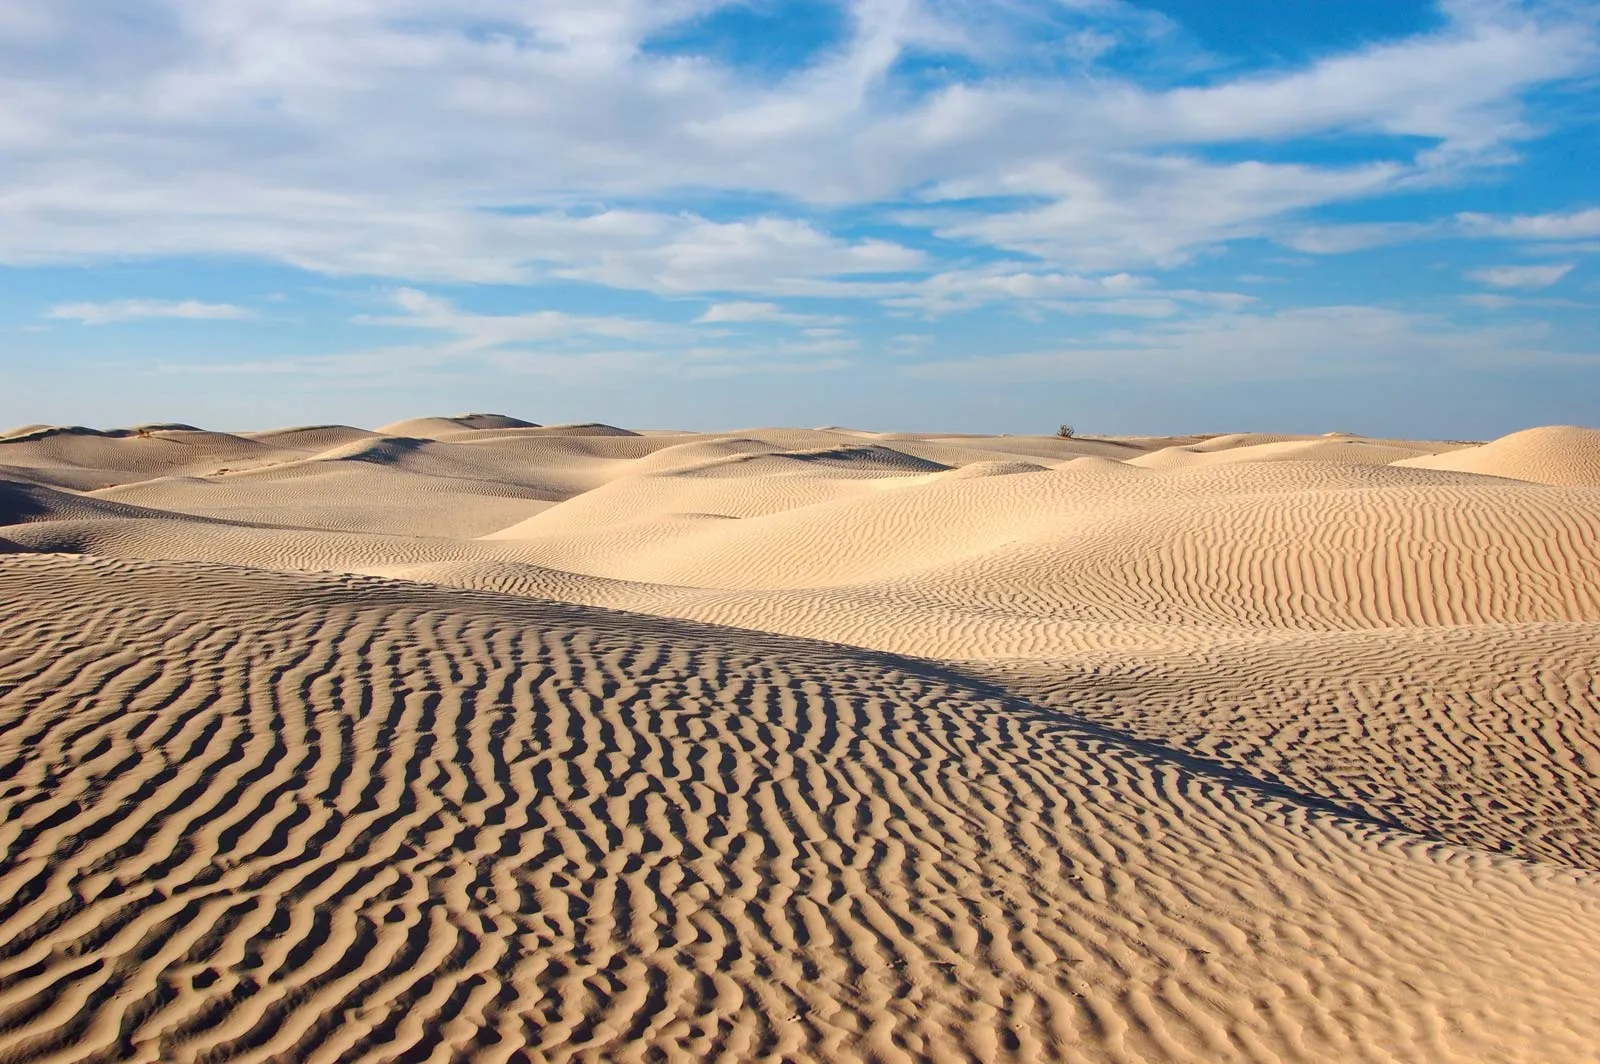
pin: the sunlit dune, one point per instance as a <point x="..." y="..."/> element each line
<point x="466" y="738"/>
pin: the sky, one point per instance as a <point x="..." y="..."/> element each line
<point x="1373" y="216"/>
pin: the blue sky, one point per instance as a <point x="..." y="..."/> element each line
<point x="1183" y="215"/>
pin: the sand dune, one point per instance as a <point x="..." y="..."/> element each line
<point x="1485" y="735"/>
<point x="24" y="503"/>
<point x="1240" y="449"/>
<point x="471" y="739"/>
<point x="311" y="437"/>
<point x="431" y="426"/>
<point x="84" y="459"/>
<point x="1560" y="454"/>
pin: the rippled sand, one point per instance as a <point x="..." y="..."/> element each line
<point x="471" y="739"/>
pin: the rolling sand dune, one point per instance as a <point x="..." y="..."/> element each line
<point x="311" y="437"/>
<point x="469" y="739"/>
<point x="429" y="426"/>
<point x="1558" y="454"/>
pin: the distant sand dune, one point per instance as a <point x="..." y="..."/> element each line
<point x="429" y="426"/>
<point x="467" y="739"/>
<point x="1559" y="454"/>
<point x="311" y="437"/>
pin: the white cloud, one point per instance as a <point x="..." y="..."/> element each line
<point x="479" y="332"/>
<point x="670" y="254"/>
<point x="573" y="345"/>
<point x="1457" y="87"/>
<point x="1003" y="282"/>
<point x="1577" y="225"/>
<point x="1358" y="236"/>
<point x="452" y="140"/>
<point x="119" y="310"/>
<point x="1306" y="341"/>
<point x="687" y="254"/>
<point x="1573" y="231"/>
<point x="1013" y="283"/>
<point x="1521" y="276"/>
<point x="744" y="312"/>
<point x="1155" y="211"/>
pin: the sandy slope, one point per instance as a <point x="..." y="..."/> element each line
<point x="473" y="739"/>
<point x="1558" y="454"/>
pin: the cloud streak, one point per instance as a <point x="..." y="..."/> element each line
<point x="126" y="310"/>
<point x="1525" y="277"/>
<point x="1576" y="225"/>
<point x="1328" y="340"/>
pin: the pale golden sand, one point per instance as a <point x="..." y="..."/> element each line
<point x="467" y="739"/>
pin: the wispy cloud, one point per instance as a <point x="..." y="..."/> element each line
<point x="1339" y="239"/>
<point x="1521" y="276"/>
<point x="1313" y="340"/>
<point x="552" y="341"/>
<point x="585" y="188"/>
<point x="353" y="138"/>
<point x="120" y="310"/>
<point x="479" y="332"/>
<point x="1576" y="225"/>
<point x="740" y="313"/>
<point x="1575" y="231"/>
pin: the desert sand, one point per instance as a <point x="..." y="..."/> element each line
<point x="470" y="739"/>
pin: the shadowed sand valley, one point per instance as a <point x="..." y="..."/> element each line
<point x="472" y="739"/>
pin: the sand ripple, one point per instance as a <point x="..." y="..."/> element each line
<point x="1286" y="757"/>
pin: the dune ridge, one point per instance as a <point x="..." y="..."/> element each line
<point x="471" y="739"/>
<point x="1555" y="454"/>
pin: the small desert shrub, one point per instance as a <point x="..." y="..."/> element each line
<point x="1066" y="432"/>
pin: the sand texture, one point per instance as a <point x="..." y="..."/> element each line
<point x="468" y="739"/>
